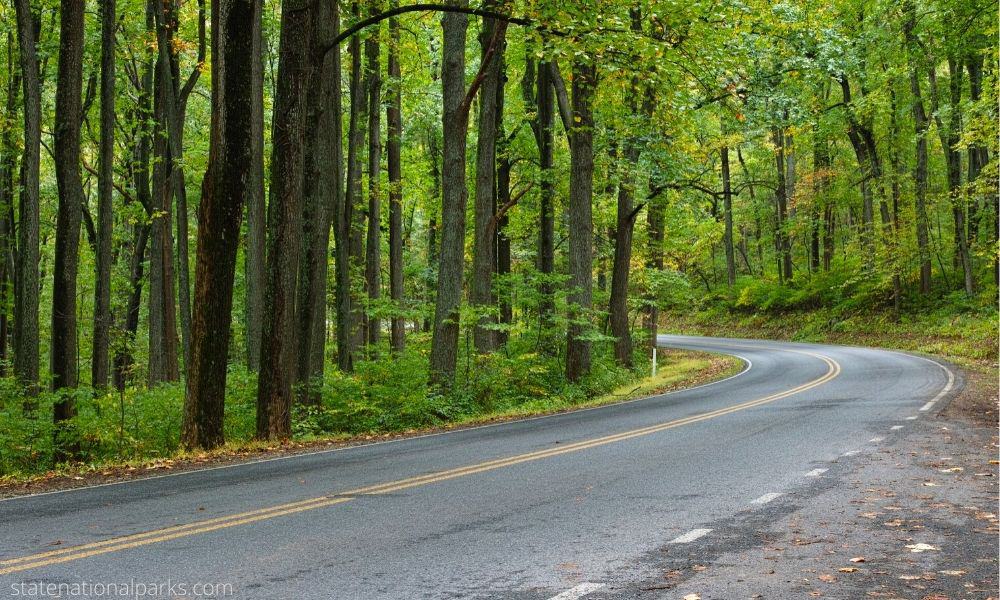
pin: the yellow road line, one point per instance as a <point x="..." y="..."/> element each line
<point x="116" y="544"/>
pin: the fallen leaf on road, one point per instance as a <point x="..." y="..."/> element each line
<point x="858" y="559"/>
<point x="692" y="597"/>
<point x="952" y="573"/>
<point x="827" y="578"/>
<point x="921" y="547"/>
<point x="847" y="569"/>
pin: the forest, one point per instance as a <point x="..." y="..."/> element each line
<point x="237" y="222"/>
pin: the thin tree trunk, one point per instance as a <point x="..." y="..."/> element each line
<point x="345" y="223"/>
<point x="544" y="126"/>
<point x="455" y="120"/>
<point x="394" y="125"/>
<point x="227" y="182"/>
<point x="256" y="238"/>
<point x="920" y="125"/>
<point x="100" y="367"/>
<point x="26" y="282"/>
<point x="373" y="240"/>
<point x="278" y="344"/>
<point x="8" y="165"/>
<point x="503" y="258"/>
<point x="781" y="204"/>
<point x="727" y="210"/>
<point x="64" y="369"/>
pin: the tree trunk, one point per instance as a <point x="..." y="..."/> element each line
<point x="492" y="48"/>
<point x="322" y="197"/>
<point x="227" y="182"/>
<point x="26" y="282"/>
<point x="100" y="367"/>
<point x="278" y="344"/>
<point x="503" y="258"/>
<point x="394" y="125"/>
<point x="345" y="225"/>
<point x="978" y="158"/>
<point x="432" y="225"/>
<point x="64" y="369"/>
<point x="444" y="343"/>
<point x="544" y="139"/>
<point x="920" y="126"/>
<point x="373" y="240"/>
<point x="727" y="210"/>
<point x="8" y="164"/>
<point x="781" y="204"/>
<point x="256" y="238"/>
<point x="581" y="187"/>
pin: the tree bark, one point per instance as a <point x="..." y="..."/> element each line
<point x="920" y="126"/>
<point x="455" y="120"/>
<point x="278" y="344"/>
<point x="394" y="124"/>
<point x="100" y="365"/>
<point x="26" y="282"/>
<point x="492" y="43"/>
<point x="373" y="239"/>
<point x="581" y="188"/>
<point x="345" y="223"/>
<point x="781" y="206"/>
<point x="322" y="189"/>
<point x="256" y="239"/>
<point x="64" y="369"/>
<point x="227" y="182"/>
<point x="727" y="211"/>
<point x="8" y="164"/>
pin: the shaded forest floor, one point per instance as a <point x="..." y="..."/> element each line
<point x="677" y="370"/>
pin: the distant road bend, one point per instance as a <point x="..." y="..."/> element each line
<point x="568" y="506"/>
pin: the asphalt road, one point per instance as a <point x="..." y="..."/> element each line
<point x="567" y="506"/>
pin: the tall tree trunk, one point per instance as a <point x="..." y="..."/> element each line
<point x="978" y="158"/>
<point x="654" y="261"/>
<point x="781" y="207"/>
<point x="124" y="358"/>
<point x="64" y="369"/>
<point x="256" y="238"/>
<point x="455" y="120"/>
<point x="950" y="134"/>
<point x="322" y="197"/>
<point x="503" y="199"/>
<point x="727" y="210"/>
<point x="581" y="226"/>
<point x="394" y="125"/>
<point x="544" y="129"/>
<point x="920" y="125"/>
<point x="492" y="48"/>
<point x="432" y="225"/>
<point x="8" y="164"/>
<point x="26" y="282"/>
<point x="227" y="182"/>
<point x="373" y="240"/>
<point x="345" y="223"/>
<point x="100" y="367"/>
<point x="278" y="345"/>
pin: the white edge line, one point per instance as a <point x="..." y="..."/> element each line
<point x="767" y="498"/>
<point x="690" y="536"/>
<point x="913" y="418"/>
<point x="816" y="472"/>
<point x="876" y="440"/>
<point x="578" y="591"/>
<point x="895" y="427"/>
<point x="944" y="391"/>
<point x="851" y="452"/>
<point x="748" y="365"/>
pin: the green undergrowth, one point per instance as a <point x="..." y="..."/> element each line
<point x="383" y="396"/>
<point x="832" y="307"/>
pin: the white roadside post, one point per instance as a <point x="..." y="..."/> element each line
<point x="654" y="360"/>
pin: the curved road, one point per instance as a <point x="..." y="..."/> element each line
<point x="568" y="506"/>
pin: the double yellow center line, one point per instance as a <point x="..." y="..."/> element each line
<point x="165" y="534"/>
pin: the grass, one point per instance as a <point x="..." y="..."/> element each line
<point x="138" y="431"/>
